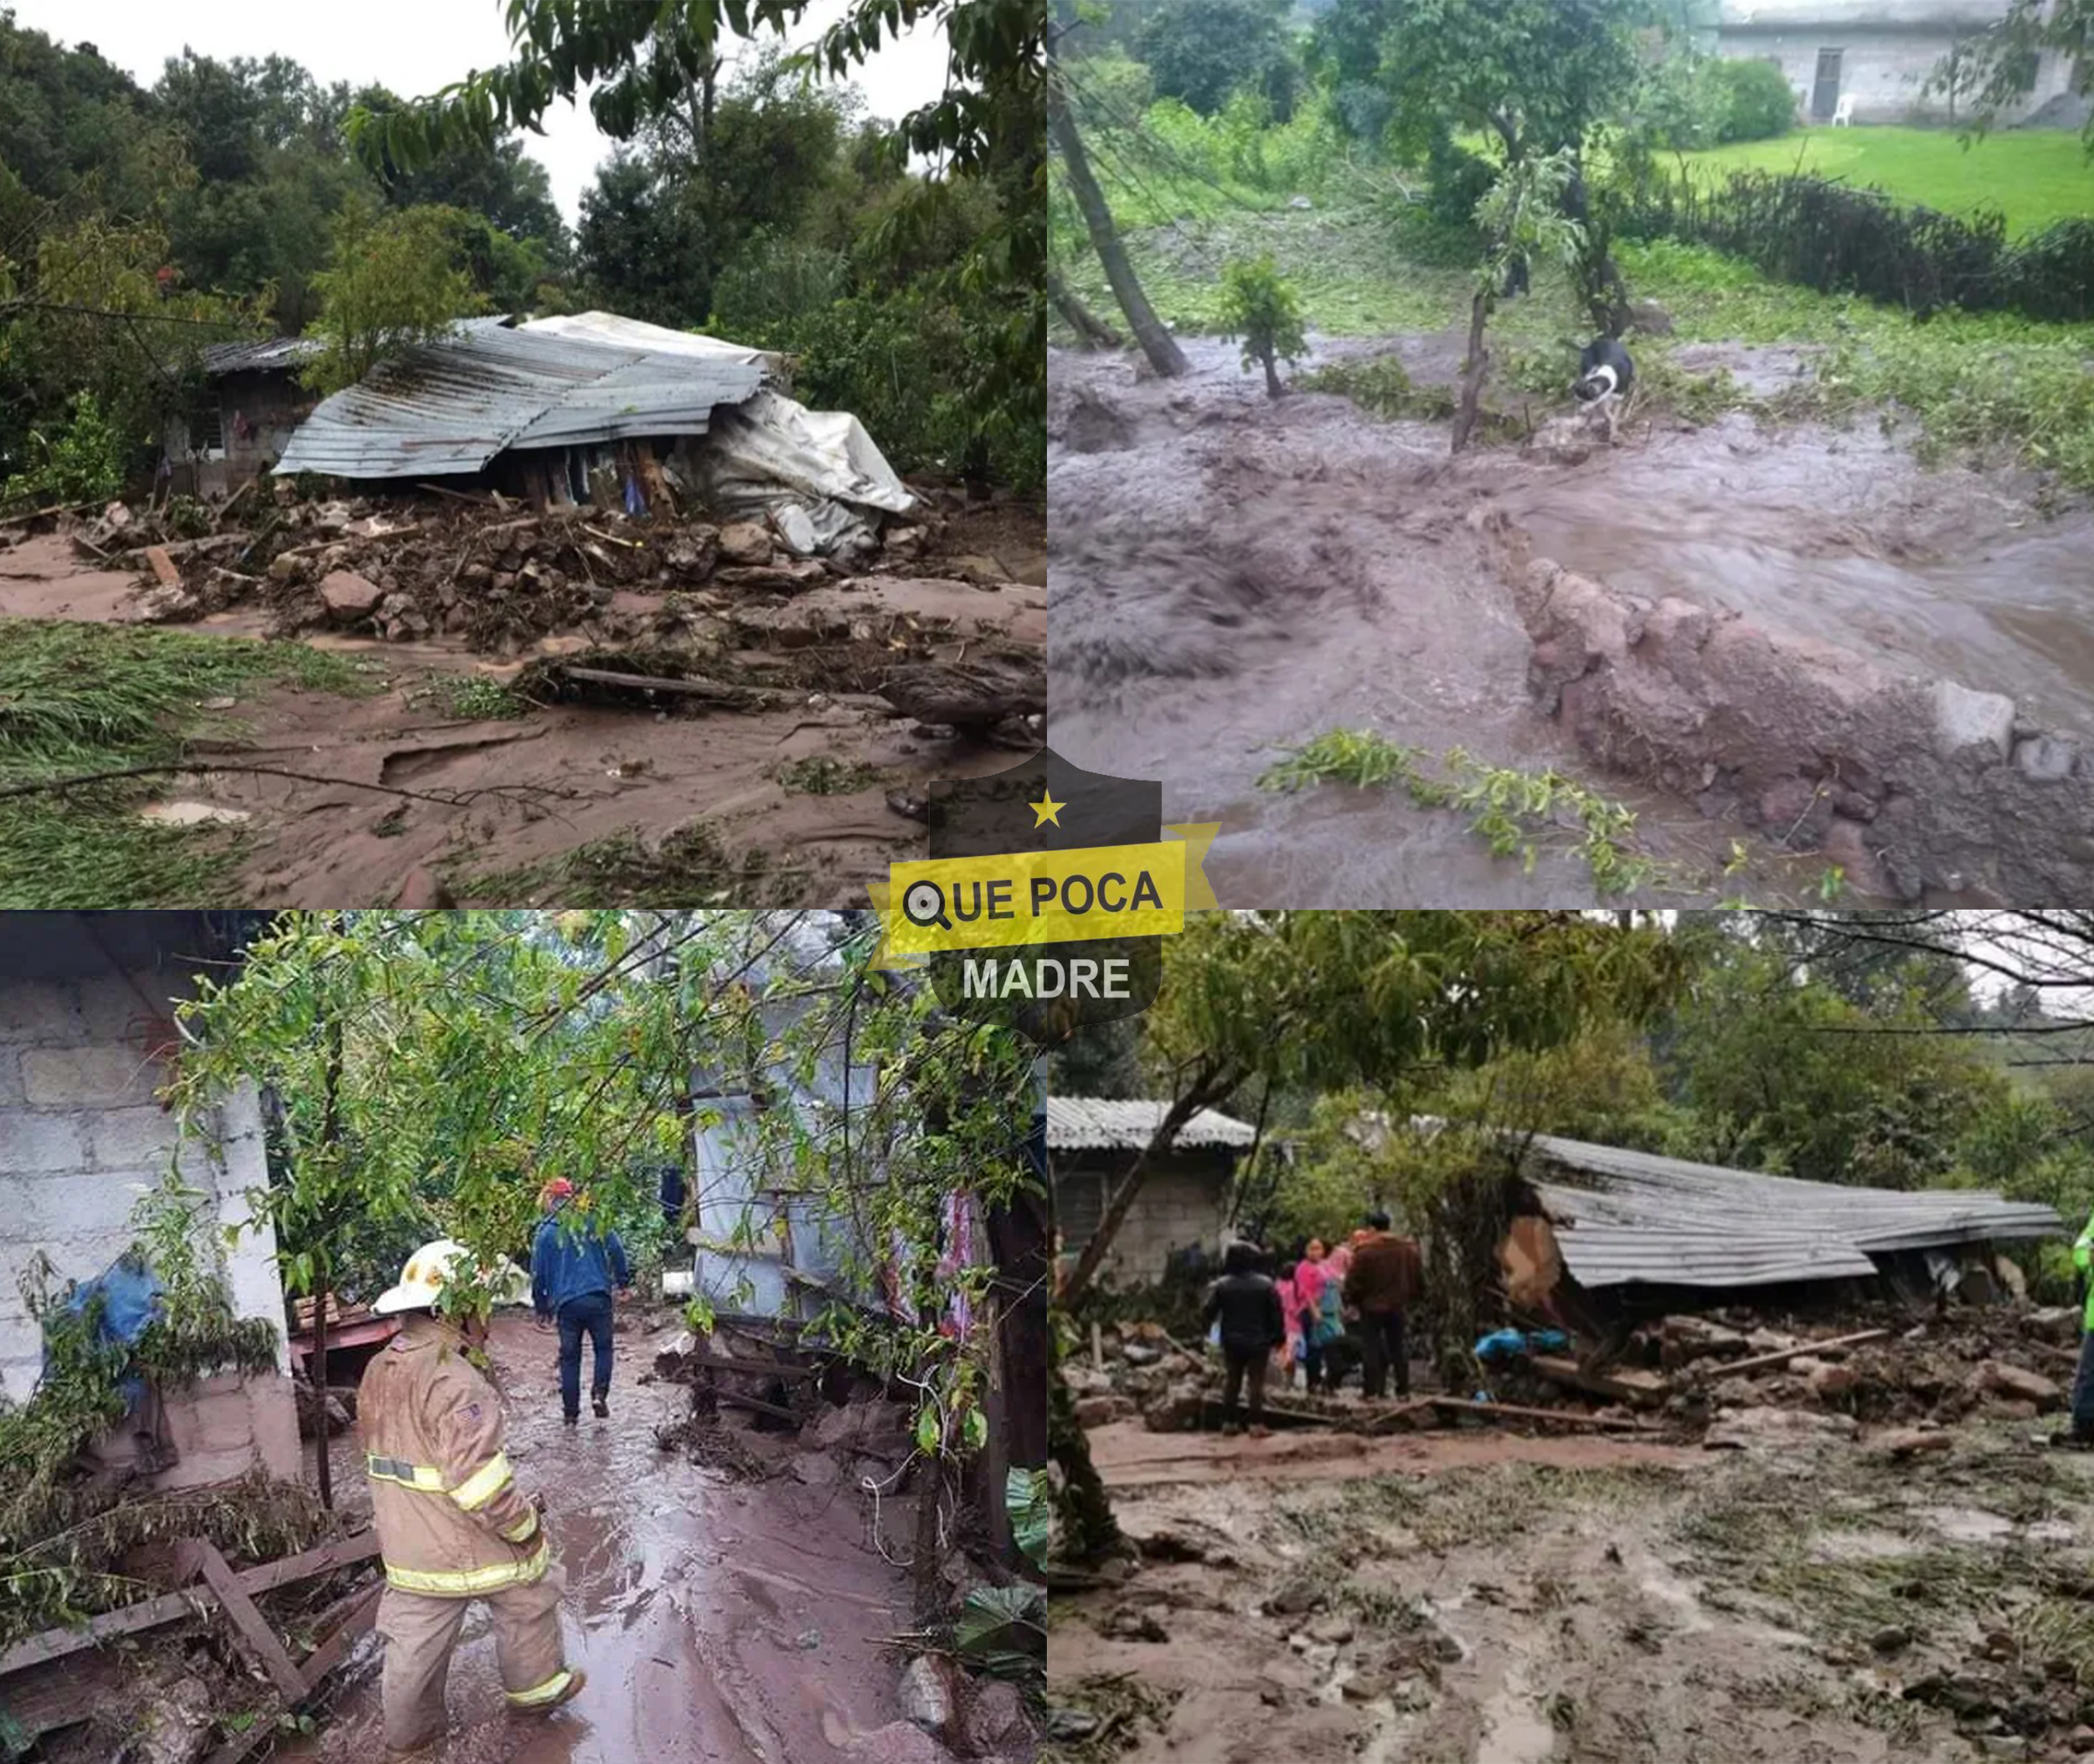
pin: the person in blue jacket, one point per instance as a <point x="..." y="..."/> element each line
<point x="573" y="1269"/>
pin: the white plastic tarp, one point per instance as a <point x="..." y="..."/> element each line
<point x="815" y="473"/>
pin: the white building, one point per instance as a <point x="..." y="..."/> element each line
<point x="1880" y="55"/>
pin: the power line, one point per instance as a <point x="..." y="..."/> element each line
<point x="160" y="318"/>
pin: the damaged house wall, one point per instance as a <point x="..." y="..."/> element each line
<point x="1183" y="1202"/>
<point x="85" y="1007"/>
<point x="251" y="406"/>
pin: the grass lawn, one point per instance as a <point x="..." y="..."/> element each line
<point x="2032" y="176"/>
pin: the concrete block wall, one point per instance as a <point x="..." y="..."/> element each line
<point x="82" y="1139"/>
<point x="1885" y="72"/>
<point x="1177" y="1208"/>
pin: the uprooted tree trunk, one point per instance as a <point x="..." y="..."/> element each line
<point x="1478" y="366"/>
<point x="1158" y="344"/>
<point x="1092" y="332"/>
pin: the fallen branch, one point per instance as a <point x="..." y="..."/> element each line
<point x="759" y="1404"/>
<point x="1760" y="1361"/>
<point x="476" y="500"/>
<point x="1513" y="1411"/>
<point x="693" y="688"/>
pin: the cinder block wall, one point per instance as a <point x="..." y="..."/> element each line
<point x="81" y="1140"/>
<point x="1177" y="1208"/>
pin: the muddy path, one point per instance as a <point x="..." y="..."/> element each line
<point x="402" y="799"/>
<point x="1232" y="577"/>
<point x="720" y="1620"/>
<point x="1571" y="1601"/>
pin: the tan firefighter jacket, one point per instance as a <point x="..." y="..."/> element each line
<point x="451" y="1520"/>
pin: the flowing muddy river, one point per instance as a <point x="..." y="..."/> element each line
<point x="1231" y="577"/>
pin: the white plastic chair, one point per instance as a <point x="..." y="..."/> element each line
<point x="1843" y="111"/>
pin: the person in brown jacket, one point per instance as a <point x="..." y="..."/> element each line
<point x="453" y="1524"/>
<point x="1386" y="1278"/>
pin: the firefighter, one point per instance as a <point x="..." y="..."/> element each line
<point x="453" y="1524"/>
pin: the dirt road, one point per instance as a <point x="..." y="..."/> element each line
<point x="1589" y="1602"/>
<point x="720" y="1622"/>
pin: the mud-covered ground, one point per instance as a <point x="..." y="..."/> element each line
<point x="472" y="777"/>
<point x="1232" y="576"/>
<point x="1482" y="1598"/>
<point x="721" y="1619"/>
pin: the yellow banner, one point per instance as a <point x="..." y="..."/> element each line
<point x="1013" y="899"/>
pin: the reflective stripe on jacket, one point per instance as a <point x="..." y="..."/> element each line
<point x="2083" y="1259"/>
<point x="451" y="1520"/>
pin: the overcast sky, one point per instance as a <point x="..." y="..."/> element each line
<point x="414" y="47"/>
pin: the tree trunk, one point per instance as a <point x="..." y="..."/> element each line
<point x="1089" y="1532"/>
<point x="1273" y="389"/>
<point x="320" y="1394"/>
<point x="1092" y="332"/>
<point x="1158" y="344"/>
<point x="1478" y="365"/>
<point x="1208" y="1088"/>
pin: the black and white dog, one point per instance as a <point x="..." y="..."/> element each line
<point x="1604" y="375"/>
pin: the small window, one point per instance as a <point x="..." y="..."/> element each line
<point x="207" y="429"/>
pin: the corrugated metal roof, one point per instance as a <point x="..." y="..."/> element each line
<point x="1625" y="1216"/>
<point x="637" y="333"/>
<point x="1096" y="1123"/>
<point x="276" y="353"/>
<point x="452" y="406"/>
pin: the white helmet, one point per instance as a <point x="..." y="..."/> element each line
<point x="435" y="1264"/>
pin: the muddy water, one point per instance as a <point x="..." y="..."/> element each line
<point x="1233" y="576"/>
<point x="1838" y="536"/>
<point x="718" y="1622"/>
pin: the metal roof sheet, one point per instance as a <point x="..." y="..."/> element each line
<point x="275" y="353"/>
<point x="637" y="333"/>
<point x="1625" y="1216"/>
<point x="1098" y="1123"/>
<point x="452" y="406"/>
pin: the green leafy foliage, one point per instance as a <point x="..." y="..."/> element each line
<point x="83" y="463"/>
<point x="1761" y="106"/>
<point x="1202" y="52"/>
<point x="1262" y="310"/>
<point x="396" y="279"/>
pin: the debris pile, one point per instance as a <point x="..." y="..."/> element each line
<point x="1687" y="1373"/>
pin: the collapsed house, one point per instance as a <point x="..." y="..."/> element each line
<point x="1606" y="1231"/>
<point x="585" y="409"/>
<point x="87" y="1036"/>
<point x="1183" y="1206"/>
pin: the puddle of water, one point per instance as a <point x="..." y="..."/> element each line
<point x="1516" y="1729"/>
<point x="191" y="814"/>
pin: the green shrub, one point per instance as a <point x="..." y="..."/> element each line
<point x="1112" y="89"/>
<point x="770" y="280"/>
<point x="1761" y="105"/>
<point x="1456" y="181"/>
<point x="1261" y="309"/>
<point x="83" y="463"/>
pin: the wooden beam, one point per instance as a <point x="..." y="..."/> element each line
<point x="55" y="1644"/>
<point x="1759" y="1363"/>
<point x="693" y="688"/>
<point x="256" y="1636"/>
<point x="1513" y="1411"/>
<point x="1645" y="1390"/>
<point x="333" y="1651"/>
<point x="761" y="1407"/>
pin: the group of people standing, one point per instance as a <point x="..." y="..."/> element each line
<point x="1320" y="1309"/>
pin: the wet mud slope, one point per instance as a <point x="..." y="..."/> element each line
<point x="1584" y="1602"/>
<point x="1232" y="576"/>
<point x="724" y="1616"/>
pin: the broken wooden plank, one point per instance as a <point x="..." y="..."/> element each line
<point x="1760" y="1362"/>
<point x="1385" y="1422"/>
<point x="1513" y="1411"/>
<point x="258" y="1639"/>
<point x="335" y="1648"/>
<point x="55" y="1644"/>
<point x="1644" y="1389"/>
<point x="692" y="687"/>
<point x="759" y="1404"/>
<point x="757" y="1368"/>
<point x="476" y="499"/>
<point x="49" y="1698"/>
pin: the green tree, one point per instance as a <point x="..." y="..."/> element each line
<point x="1998" y="68"/>
<point x="1522" y="216"/>
<point x="397" y="279"/>
<point x="1201" y="51"/>
<point x="1260" y="307"/>
<point x="1326" y="1000"/>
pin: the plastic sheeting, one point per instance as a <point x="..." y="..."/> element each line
<point x="130" y="1293"/>
<point x="816" y="474"/>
